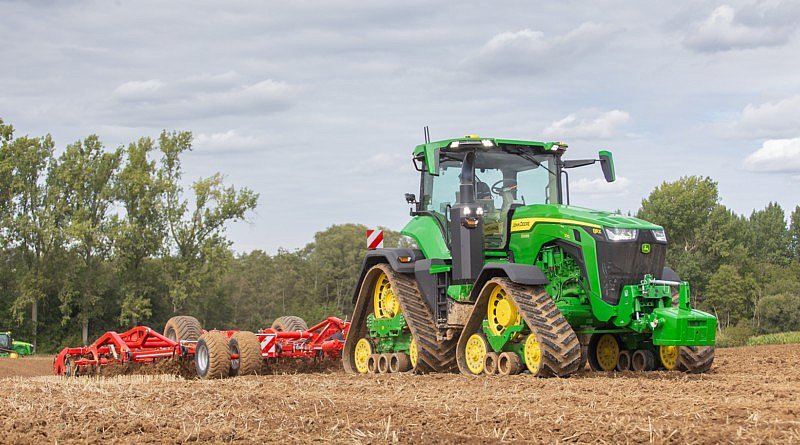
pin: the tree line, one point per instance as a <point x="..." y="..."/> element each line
<point x="96" y="238"/>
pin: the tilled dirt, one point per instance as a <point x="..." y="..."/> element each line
<point x="752" y="395"/>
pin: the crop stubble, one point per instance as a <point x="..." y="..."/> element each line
<point x="752" y="395"/>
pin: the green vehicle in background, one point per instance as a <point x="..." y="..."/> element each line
<point x="506" y="276"/>
<point x="12" y="348"/>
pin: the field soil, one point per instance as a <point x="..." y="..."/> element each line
<point x="751" y="395"/>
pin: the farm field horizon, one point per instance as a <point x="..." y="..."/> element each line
<point x="750" y="395"/>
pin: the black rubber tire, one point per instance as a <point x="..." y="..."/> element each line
<point x="643" y="360"/>
<point x="592" y="352"/>
<point x="399" y="362"/>
<point x="383" y="363"/>
<point x="212" y="356"/>
<point x="249" y="349"/>
<point x="289" y="323"/>
<point x="372" y="363"/>
<point x="509" y="363"/>
<point x="490" y="363"/>
<point x="183" y="327"/>
<point x="624" y="361"/>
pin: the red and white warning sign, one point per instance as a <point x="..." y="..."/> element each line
<point x="374" y="239"/>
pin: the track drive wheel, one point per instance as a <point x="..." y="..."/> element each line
<point x="183" y="327"/>
<point x="603" y="352"/>
<point x="413" y="353"/>
<point x="246" y="345"/>
<point x="475" y="353"/>
<point x="362" y="354"/>
<point x="289" y="323"/>
<point x="212" y="358"/>
<point x="668" y="356"/>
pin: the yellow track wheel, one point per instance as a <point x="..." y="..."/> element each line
<point x="13" y="355"/>
<point x="607" y="352"/>
<point x="475" y="352"/>
<point x="413" y="353"/>
<point x="361" y="355"/>
<point x="501" y="311"/>
<point x="384" y="301"/>
<point x="668" y="356"/>
<point x="533" y="354"/>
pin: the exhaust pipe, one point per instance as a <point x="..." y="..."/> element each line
<point x="466" y="227"/>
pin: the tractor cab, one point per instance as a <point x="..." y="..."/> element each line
<point x="6" y="342"/>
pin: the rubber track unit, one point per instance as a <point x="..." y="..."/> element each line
<point x="693" y="359"/>
<point x="561" y="350"/>
<point x="249" y="353"/>
<point x="433" y="354"/>
<point x="185" y="327"/>
<point x="289" y="323"/>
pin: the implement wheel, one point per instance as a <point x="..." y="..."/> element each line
<point x="475" y="353"/>
<point x="212" y="358"/>
<point x="603" y="352"/>
<point x="183" y="327"/>
<point x="289" y="323"/>
<point x="246" y="345"/>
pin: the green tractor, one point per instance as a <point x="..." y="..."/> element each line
<point x="12" y="348"/>
<point x="506" y="276"/>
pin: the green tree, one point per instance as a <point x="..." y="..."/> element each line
<point x="769" y="240"/>
<point x="85" y="180"/>
<point x="779" y="313"/>
<point x="141" y="233"/>
<point x="196" y="234"/>
<point x="794" y="233"/>
<point x="729" y="296"/>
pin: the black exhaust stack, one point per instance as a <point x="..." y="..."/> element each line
<point x="466" y="227"/>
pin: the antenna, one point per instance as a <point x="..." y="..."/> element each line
<point x="427" y="134"/>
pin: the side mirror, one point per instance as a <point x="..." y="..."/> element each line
<point x="607" y="164"/>
<point x="411" y="198"/>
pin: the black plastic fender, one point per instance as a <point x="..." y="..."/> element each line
<point x="525" y="274"/>
<point x="391" y="257"/>
<point x="669" y="275"/>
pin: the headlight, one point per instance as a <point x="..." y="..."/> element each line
<point x="660" y="235"/>
<point x="615" y="234"/>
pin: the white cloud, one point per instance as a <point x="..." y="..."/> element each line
<point x="775" y="155"/>
<point x="531" y="52"/>
<point x="599" y="186"/>
<point x="588" y="124"/>
<point x="723" y="30"/>
<point x="228" y="141"/>
<point x="768" y="120"/>
<point x="138" y="90"/>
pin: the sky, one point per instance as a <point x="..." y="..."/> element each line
<point x="317" y="105"/>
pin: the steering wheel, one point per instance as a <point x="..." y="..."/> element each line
<point x="504" y="186"/>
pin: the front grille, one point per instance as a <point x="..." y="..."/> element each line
<point x="623" y="263"/>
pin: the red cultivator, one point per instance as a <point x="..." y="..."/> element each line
<point x="217" y="354"/>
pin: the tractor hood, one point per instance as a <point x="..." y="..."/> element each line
<point x="579" y="215"/>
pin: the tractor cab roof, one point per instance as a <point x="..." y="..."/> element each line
<point x="475" y="140"/>
<point x="429" y="150"/>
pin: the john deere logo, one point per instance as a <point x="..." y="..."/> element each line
<point x="645" y="248"/>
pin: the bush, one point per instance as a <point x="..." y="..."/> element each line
<point x="779" y="313"/>
<point x="735" y="335"/>
<point x="783" y="338"/>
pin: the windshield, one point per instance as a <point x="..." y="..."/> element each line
<point x="5" y="341"/>
<point x="502" y="180"/>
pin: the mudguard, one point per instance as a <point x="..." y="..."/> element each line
<point x="524" y="274"/>
<point x="391" y="257"/>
